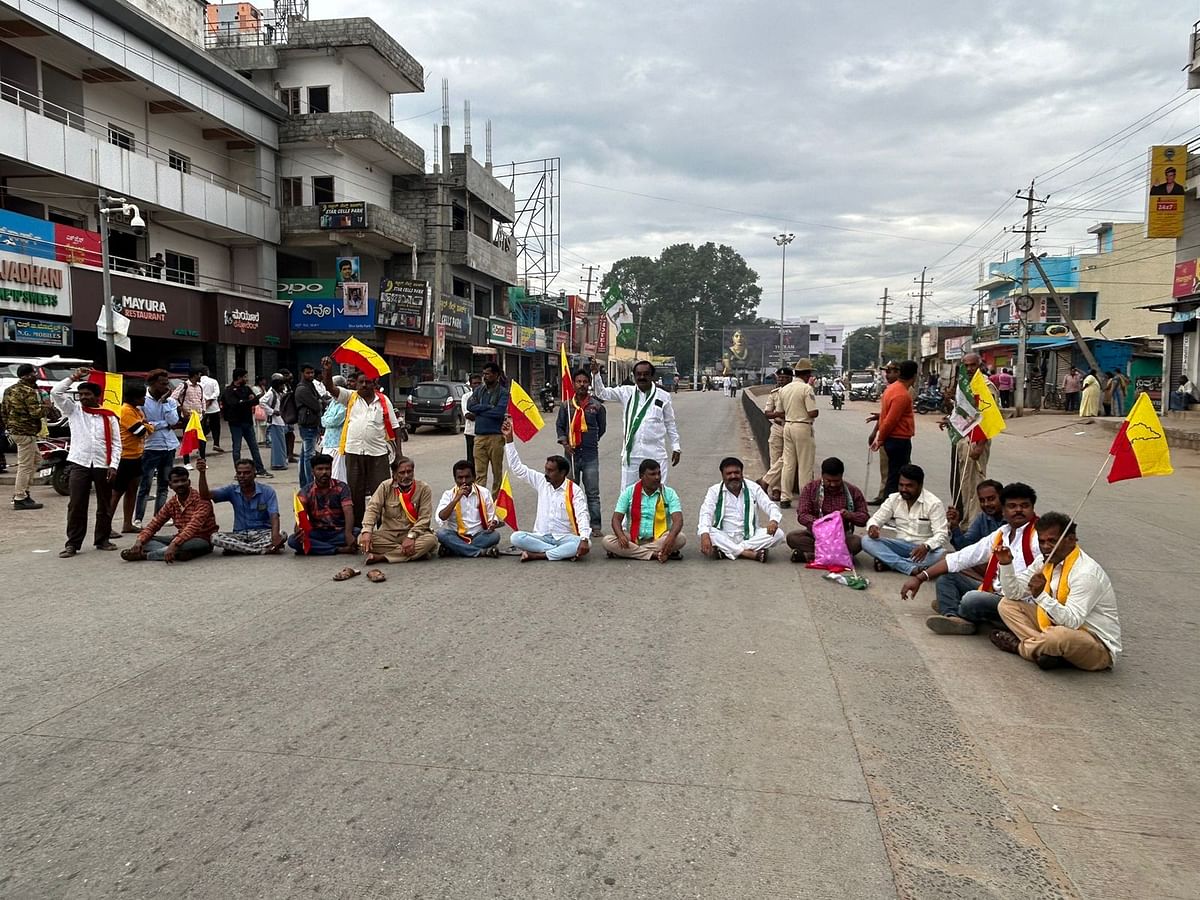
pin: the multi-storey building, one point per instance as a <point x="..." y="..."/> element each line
<point x="101" y="97"/>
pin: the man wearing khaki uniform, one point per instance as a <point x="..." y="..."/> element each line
<point x="770" y="481"/>
<point x="798" y="403"/>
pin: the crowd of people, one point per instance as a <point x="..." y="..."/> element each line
<point x="993" y="561"/>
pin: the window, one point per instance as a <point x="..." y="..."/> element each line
<point x="458" y="218"/>
<point x="180" y="269"/>
<point x="119" y="137"/>
<point x="318" y="99"/>
<point x="178" y="161"/>
<point x="59" y="217"/>
<point x="291" y="191"/>
<point x="290" y="98"/>
<point x="322" y="186"/>
<point x="832" y="339"/>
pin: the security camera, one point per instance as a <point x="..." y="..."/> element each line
<point x="136" y="222"/>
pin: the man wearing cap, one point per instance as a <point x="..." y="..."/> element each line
<point x="770" y="481"/>
<point x="798" y="404"/>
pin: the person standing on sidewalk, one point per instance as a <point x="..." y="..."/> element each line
<point x="190" y="397"/>
<point x="897" y="425"/>
<point x="272" y="403"/>
<point x="93" y="459"/>
<point x="474" y="381"/>
<point x="308" y="417"/>
<point x="24" y="412"/>
<point x="237" y="405"/>
<point x="1072" y="385"/>
<point x="489" y="405"/>
<point x="212" y="408"/>
<point x="581" y="444"/>
<point x="163" y="414"/>
<point x="774" y="475"/>
<point x="134" y="431"/>
<point x="799" y="406"/>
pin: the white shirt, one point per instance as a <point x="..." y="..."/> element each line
<point x="87" y="432"/>
<point x="733" y="510"/>
<point x="469" y="509"/>
<point x="922" y="523"/>
<point x="1091" y="603"/>
<point x="366" y="434"/>
<point x="552" y="515"/>
<point x="470" y="423"/>
<point x="271" y="402"/>
<point x="212" y="393"/>
<point x="657" y="427"/>
<point x="980" y="552"/>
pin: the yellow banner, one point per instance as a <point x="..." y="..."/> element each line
<point x="1168" y="184"/>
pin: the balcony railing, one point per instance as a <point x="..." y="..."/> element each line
<point x="121" y="265"/>
<point x="73" y="118"/>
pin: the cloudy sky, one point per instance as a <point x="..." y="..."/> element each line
<point x="886" y="137"/>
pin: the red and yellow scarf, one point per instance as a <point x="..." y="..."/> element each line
<point x="571" y="506"/>
<point x="406" y="501"/>
<point x="387" y="418"/>
<point x="107" y="415"/>
<point x="993" y="566"/>
<point x="1064" y="589"/>
<point x="659" y="527"/>
<point x="578" y="425"/>
<point x="458" y="516"/>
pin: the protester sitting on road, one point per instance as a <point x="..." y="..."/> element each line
<point x="1072" y="617"/>
<point x="828" y="494"/>
<point x="330" y="511"/>
<point x="468" y="516"/>
<point x="728" y="525"/>
<point x="194" y="521"/>
<point x="991" y="516"/>
<point x="562" y="529"/>
<point x="255" y="512"/>
<point x="919" y="520"/>
<point x="965" y="601"/>
<point x="647" y="522"/>
<point x="397" y="526"/>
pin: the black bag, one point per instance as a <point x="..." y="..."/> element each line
<point x="287" y="408"/>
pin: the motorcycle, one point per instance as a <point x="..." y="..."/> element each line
<point x="929" y="400"/>
<point x="52" y="467"/>
<point x="863" y="393"/>
<point x="836" y="397"/>
<point x="547" y="397"/>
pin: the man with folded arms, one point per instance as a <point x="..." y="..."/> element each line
<point x="396" y="526"/>
<point x="562" y="529"/>
<point x="648" y="521"/>
<point x="468" y="516"/>
<point x="728" y="526"/>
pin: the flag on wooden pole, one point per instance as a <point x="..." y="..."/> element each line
<point x="1140" y="448"/>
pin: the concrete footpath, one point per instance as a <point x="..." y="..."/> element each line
<point x="248" y="728"/>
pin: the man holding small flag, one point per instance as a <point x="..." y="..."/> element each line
<point x="970" y="438"/>
<point x="562" y="529"/>
<point x="582" y="421"/>
<point x="649" y="420"/>
<point x="648" y="520"/>
<point x="489" y="405"/>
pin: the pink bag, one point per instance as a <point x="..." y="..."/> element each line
<point x="829" y="535"/>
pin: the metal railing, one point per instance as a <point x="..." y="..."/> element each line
<point x="257" y="32"/>
<point x="142" y="268"/>
<point x="76" y="118"/>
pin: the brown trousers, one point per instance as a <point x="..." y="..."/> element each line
<point x="387" y="544"/>
<point x="363" y="475"/>
<point x="489" y="451"/>
<point x="647" y="550"/>
<point x="80" y="480"/>
<point x="1080" y="648"/>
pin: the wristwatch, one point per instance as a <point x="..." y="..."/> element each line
<point x="412" y="535"/>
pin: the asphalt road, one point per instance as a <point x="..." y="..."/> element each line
<point x="482" y="728"/>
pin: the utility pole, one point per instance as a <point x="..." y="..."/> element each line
<point x="587" y="291"/>
<point x="910" y="332"/>
<point x="696" y="352"/>
<point x="783" y="240"/>
<point x="920" y="311"/>
<point x="882" y="325"/>
<point x="1025" y="301"/>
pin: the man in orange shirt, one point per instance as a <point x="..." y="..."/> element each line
<point x="896" y="425"/>
<point x="134" y="431"/>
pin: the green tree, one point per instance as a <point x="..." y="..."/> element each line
<point x="666" y="293"/>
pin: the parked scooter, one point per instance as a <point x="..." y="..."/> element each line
<point x="929" y="400"/>
<point x="52" y="466"/>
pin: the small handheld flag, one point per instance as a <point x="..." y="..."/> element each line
<point x="991" y="421"/>
<point x="964" y="418"/>
<point x="303" y="524"/>
<point x="353" y="352"/>
<point x="505" y="508"/>
<point x="112" y="389"/>
<point x="526" y="419"/>
<point x="564" y="369"/>
<point x="1140" y="448"/>
<point x="192" y="435"/>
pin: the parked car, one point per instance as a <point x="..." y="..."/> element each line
<point x="50" y="371"/>
<point x="437" y="404"/>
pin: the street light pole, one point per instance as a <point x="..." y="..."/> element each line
<point x="110" y="345"/>
<point x="783" y="240"/>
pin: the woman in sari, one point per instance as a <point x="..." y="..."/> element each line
<point x="1089" y="404"/>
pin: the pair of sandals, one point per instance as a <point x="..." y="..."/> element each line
<point x="374" y="575"/>
<point x="759" y="555"/>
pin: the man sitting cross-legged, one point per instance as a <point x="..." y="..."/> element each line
<point x="329" y="507"/>
<point x="919" y="520"/>
<point x="562" y="529"/>
<point x="964" y="601"/>
<point x="729" y="517"/>
<point x="255" y="511"/>
<point x="990" y="517"/>
<point x="193" y="518"/>
<point x="396" y="526"/>
<point x="648" y="519"/>
<point x="828" y="494"/>
<point x="1073" y="615"/>
<point x="468" y="515"/>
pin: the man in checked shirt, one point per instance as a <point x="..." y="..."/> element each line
<point x="828" y="494"/>
<point x="194" y="520"/>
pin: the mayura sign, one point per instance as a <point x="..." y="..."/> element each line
<point x="242" y="319"/>
<point x="30" y="284"/>
<point x="141" y="308"/>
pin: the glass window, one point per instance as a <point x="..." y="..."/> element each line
<point x="180" y="269"/>
<point x="290" y="98"/>
<point x="318" y="99"/>
<point x="431" y="391"/>
<point x="178" y="161"/>
<point x="291" y="191"/>
<point x="119" y="137"/>
<point x="322" y="186"/>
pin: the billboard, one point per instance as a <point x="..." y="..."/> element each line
<point x="1168" y="185"/>
<point x="348" y="214"/>
<point x="316" y="305"/>
<point x="401" y="304"/>
<point x="744" y="349"/>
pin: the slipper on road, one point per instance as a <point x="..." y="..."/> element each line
<point x="376" y="577"/>
<point x="346" y="574"/>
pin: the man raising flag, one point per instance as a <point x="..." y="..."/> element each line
<point x="649" y="420"/>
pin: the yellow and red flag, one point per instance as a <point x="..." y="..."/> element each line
<point x="192" y="435"/>
<point x="564" y="368"/>
<point x="505" y="508"/>
<point x="991" y="421"/>
<point x="112" y="389"/>
<point x="526" y="419"/>
<point x="353" y="352"/>
<point x="303" y="523"/>
<point x="1140" y="448"/>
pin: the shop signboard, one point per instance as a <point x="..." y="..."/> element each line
<point x="26" y="235"/>
<point x="455" y="317"/>
<point x="35" y="284"/>
<point x="1187" y="284"/>
<point x="316" y="305"/>
<point x="155" y="309"/>
<point x="409" y="346"/>
<point x="527" y="338"/>
<point x="252" y="323"/>
<point x="350" y="214"/>
<point x="502" y="333"/>
<point x="401" y="304"/>
<point x="20" y="330"/>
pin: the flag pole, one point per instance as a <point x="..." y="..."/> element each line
<point x="1095" y="481"/>
<point x="962" y="476"/>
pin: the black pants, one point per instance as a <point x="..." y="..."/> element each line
<point x="470" y="448"/>
<point x="212" y="428"/>
<point x="80" y="480"/>
<point x="899" y="453"/>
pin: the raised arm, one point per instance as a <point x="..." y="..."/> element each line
<point x="59" y="396"/>
<point x="512" y="459"/>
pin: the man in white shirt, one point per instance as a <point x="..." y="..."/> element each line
<point x="368" y="438"/>
<point x="728" y="526"/>
<point x="473" y="382"/>
<point x="468" y="516"/>
<point x="648" y="417"/>
<point x="968" y="580"/>
<point x="93" y="459"/>
<point x="1072" y="617"/>
<point x="919" y="520"/>
<point x="562" y="529"/>
<point x="212" y="409"/>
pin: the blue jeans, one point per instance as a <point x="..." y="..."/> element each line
<point x="154" y="463"/>
<point x="277" y="435"/>
<point x="564" y="547"/>
<point x="238" y="431"/>
<point x="309" y="437"/>
<point x="959" y="595"/>
<point x="322" y="541"/>
<point x="587" y="473"/>
<point x="894" y="553"/>
<point x="449" y="539"/>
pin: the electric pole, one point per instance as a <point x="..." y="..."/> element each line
<point x="910" y="332"/>
<point x="587" y="291"/>
<point x="1025" y="300"/>
<point x="920" y="311"/>
<point x="696" y="352"/>
<point x="882" y="325"/>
